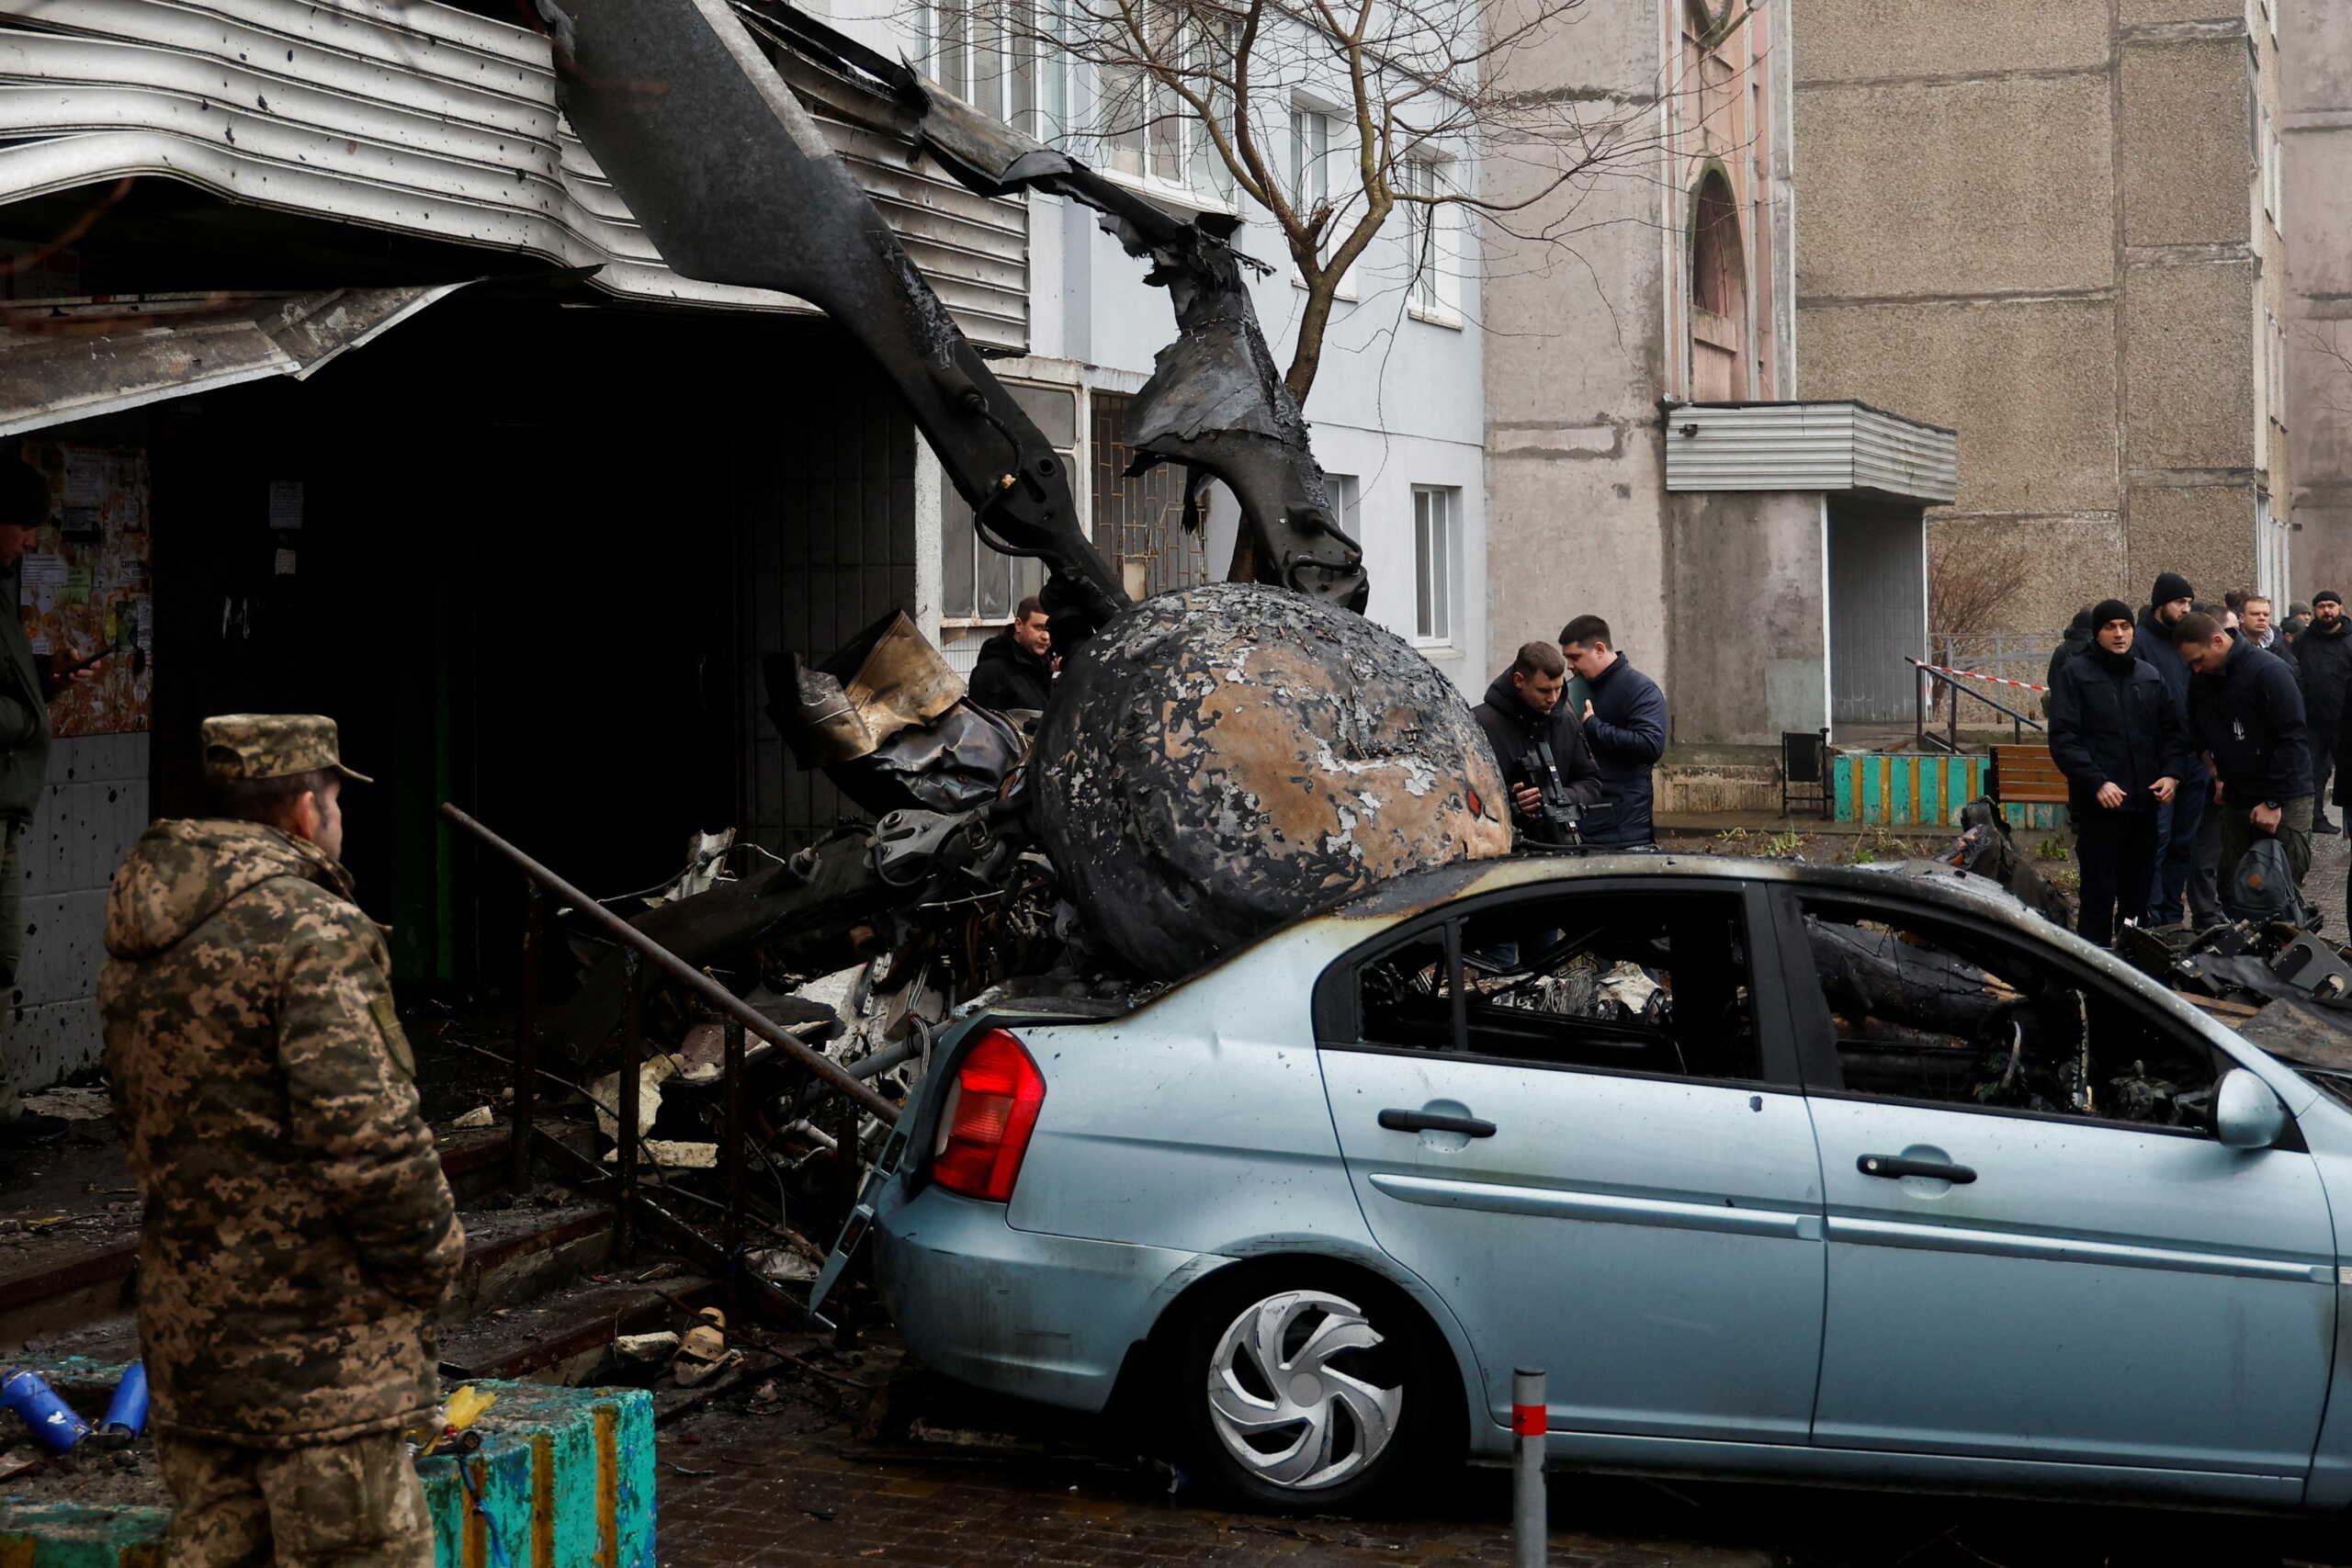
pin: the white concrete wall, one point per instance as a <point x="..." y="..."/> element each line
<point x="94" y="808"/>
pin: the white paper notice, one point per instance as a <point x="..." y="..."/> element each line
<point x="85" y="477"/>
<point x="286" y="503"/>
<point x="44" y="580"/>
<point x="286" y="563"/>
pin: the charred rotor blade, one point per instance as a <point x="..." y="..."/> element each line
<point x="1215" y="400"/>
<point x="735" y="183"/>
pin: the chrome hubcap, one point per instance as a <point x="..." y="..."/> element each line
<point x="1280" y="1406"/>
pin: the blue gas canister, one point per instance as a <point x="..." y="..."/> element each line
<point x="127" y="1412"/>
<point x="51" y="1419"/>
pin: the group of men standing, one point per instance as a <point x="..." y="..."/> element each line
<point x="2189" y="736"/>
<point x="1577" y="730"/>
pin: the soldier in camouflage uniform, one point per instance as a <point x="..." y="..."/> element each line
<point x="298" y="1235"/>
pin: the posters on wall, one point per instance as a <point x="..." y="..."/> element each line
<point x="87" y="585"/>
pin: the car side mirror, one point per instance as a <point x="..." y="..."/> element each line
<point x="2246" y="1114"/>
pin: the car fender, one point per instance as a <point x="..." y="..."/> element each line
<point x="1481" y="1434"/>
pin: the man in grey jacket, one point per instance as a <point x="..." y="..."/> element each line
<point x="24" y="758"/>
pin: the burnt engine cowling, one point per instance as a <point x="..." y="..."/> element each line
<point x="1219" y="761"/>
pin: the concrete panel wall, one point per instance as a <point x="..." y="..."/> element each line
<point x="1858" y="39"/>
<point x="1744" y="683"/>
<point x="2039" y="226"/>
<point x="1943" y="189"/>
<point x="2316" y="120"/>
<point x="2046" y="445"/>
<point x="2204" y="532"/>
<point x="2189" y="366"/>
<point x="2184" y="145"/>
<point x="94" y="808"/>
<point x="1574" y="365"/>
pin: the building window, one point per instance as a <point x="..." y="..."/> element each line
<point x="1436" y="561"/>
<point x="1718" y="293"/>
<point x="1310" y="160"/>
<point x="1139" y="520"/>
<point x="978" y="585"/>
<point x="1345" y="492"/>
<point x="1434" y="286"/>
<point x="999" y="57"/>
<point x="1147" y="130"/>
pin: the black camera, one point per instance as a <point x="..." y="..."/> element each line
<point x="1558" y="816"/>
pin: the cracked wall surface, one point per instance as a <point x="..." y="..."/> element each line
<point x="2043" y="227"/>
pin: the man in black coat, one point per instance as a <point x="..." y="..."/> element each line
<point x="1014" y="670"/>
<point x="1624" y="723"/>
<point x="1525" y="723"/>
<point x="2323" y="662"/>
<point x="2121" y="740"/>
<point x="2180" y="871"/>
<point x="2246" y="713"/>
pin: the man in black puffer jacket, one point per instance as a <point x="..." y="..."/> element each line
<point x="2323" y="664"/>
<point x="1523" y="717"/>
<point x="1015" y="672"/>
<point x="2121" y="742"/>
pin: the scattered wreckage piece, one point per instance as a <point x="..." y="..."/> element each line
<point x="1221" y="760"/>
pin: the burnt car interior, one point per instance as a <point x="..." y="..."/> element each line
<point x="1921" y="1010"/>
<point x="1592" y="980"/>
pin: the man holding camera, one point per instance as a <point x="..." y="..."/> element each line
<point x="1540" y="746"/>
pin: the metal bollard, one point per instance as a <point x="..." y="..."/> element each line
<point x="1529" y="1519"/>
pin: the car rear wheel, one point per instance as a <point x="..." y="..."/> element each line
<point x="1308" y="1389"/>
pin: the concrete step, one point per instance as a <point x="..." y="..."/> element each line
<point x="562" y="1335"/>
<point x="82" y="1305"/>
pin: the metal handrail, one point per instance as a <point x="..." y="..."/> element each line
<point x="726" y="1002"/>
<point x="1950" y="740"/>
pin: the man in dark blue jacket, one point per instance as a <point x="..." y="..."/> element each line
<point x="2246" y="710"/>
<point x="2323" y="657"/>
<point x="2121" y="740"/>
<point x="1624" y="723"/>
<point x="2179" y="869"/>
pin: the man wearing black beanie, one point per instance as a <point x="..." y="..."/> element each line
<point x="2178" y="872"/>
<point x="2122" y="745"/>
<point x="2323" y="664"/>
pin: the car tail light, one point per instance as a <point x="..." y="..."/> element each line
<point x="991" y="1110"/>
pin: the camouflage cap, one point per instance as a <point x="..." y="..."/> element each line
<point x="272" y="745"/>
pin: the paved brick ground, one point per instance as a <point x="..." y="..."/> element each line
<point x="739" y="1496"/>
<point x="745" y="1490"/>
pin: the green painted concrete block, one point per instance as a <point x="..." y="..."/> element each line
<point x="563" y="1479"/>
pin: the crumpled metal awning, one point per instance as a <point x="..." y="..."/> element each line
<point x="71" y="359"/>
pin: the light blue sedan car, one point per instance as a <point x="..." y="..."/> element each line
<point x="1776" y="1170"/>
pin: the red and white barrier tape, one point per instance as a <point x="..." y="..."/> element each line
<point x="1973" y="675"/>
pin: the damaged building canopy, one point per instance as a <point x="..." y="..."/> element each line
<point x="76" y="359"/>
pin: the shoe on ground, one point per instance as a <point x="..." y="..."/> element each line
<point x="2322" y="824"/>
<point x="31" y="1130"/>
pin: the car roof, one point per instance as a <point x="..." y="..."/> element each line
<point x="1928" y="882"/>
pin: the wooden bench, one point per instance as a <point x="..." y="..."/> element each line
<point x="2027" y="776"/>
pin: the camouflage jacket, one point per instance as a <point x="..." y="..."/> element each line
<point x="298" y="1232"/>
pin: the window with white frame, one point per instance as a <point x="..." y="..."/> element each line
<point x="1148" y="129"/>
<point x="1433" y="285"/>
<point x="980" y="586"/>
<point x="1436" y="560"/>
<point x="999" y="56"/>
<point x="1346" y="493"/>
<point x="1310" y="159"/>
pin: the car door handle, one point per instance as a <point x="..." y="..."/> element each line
<point x="1432" y="1121"/>
<point x="1894" y="1168"/>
